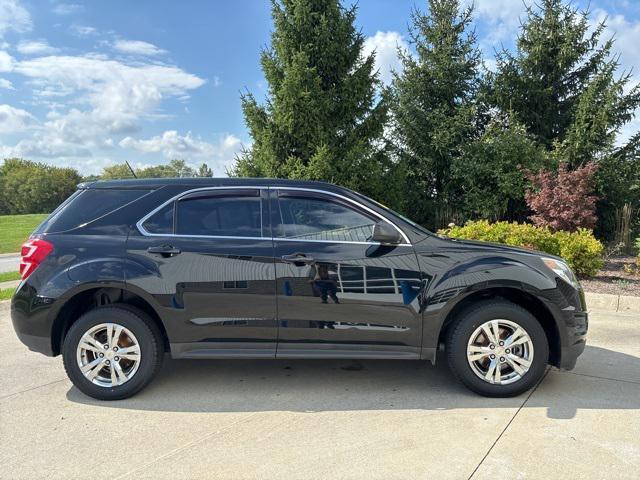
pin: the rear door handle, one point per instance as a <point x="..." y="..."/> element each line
<point x="298" y="258"/>
<point x="164" y="250"/>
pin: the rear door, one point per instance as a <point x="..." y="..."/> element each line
<point x="207" y="258"/>
<point x="339" y="293"/>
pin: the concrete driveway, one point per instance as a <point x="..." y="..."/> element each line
<point x="325" y="419"/>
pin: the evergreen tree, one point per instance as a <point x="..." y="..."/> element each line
<point x="205" y="171"/>
<point x="560" y="83"/>
<point x="435" y="107"/>
<point x="323" y="117"/>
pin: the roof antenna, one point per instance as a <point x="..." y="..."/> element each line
<point x="132" y="172"/>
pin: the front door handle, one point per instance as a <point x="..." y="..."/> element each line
<point x="164" y="250"/>
<point x="298" y="259"/>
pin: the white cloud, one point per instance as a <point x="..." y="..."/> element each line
<point x="14" y="16"/>
<point x="13" y="120"/>
<point x="82" y="30"/>
<point x="39" y="47"/>
<point x="385" y="45"/>
<point x="100" y="97"/>
<point x="173" y="145"/>
<point x="503" y="17"/>
<point x="137" y="47"/>
<point x="4" y="83"/>
<point x="67" y="8"/>
<point x="6" y="62"/>
<point x="627" y="38"/>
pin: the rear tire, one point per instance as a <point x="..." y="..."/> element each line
<point x="483" y="361"/>
<point x="138" y="352"/>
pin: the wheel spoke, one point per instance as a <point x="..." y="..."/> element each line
<point x="92" y="369"/>
<point x="119" y="373"/>
<point x="478" y="352"/>
<point x="490" y="375"/>
<point x="489" y="334"/>
<point x="497" y="376"/>
<point x="89" y="343"/>
<point x="495" y="328"/>
<point x="113" y="340"/>
<point x="516" y="338"/>
<point x="130" y="353"/>
<point x="109" y="333"/>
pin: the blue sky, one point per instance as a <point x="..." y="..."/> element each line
<point x="88" y="84"/>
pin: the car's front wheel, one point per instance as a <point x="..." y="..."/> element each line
<point x="112" y="352"/>
<point x="497" y="349"/>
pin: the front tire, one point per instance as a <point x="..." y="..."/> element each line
<point x="497" y="349"/>
<point x="112" y="352"/>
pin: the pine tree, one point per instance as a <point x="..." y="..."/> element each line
<point x="435" y="107"/>
<point x="204" y="171"/>
<point x="560" y="83"/>
<point x="323" y="117"/>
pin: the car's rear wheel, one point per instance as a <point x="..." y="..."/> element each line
<point x="112" y="352"/>
<point x="497" y="349"/>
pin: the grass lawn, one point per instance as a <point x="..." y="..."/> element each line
<point x="8" y="276"/>
<point x="6" y="293"/>
<point x="15" y="229"/>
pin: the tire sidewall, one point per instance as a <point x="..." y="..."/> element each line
<point x="146" y="340"/>
<point x="468" y="324"/>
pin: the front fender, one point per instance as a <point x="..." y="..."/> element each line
<point x="461" y="276"/>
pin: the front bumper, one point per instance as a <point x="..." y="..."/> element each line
<point x="577" y="324"/>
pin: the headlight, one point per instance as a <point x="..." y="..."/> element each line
<point x="562" y="270"/>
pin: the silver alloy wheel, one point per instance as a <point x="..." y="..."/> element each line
<point x="500" y="352"/>
<point x="108" y="354"/>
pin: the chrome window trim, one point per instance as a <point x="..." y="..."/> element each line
<point x="144" y="232"/>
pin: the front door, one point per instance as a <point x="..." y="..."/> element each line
<point x="340" y="294"/>
<point x="207" y="258"/>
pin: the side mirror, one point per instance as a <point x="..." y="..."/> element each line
<point x="386" y="234"/>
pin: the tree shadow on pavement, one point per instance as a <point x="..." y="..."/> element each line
<point x="344" y="385"/>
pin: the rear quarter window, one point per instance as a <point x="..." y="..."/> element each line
<point x="86" y="206"/>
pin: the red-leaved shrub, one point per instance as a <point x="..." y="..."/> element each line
<point x="563" y="200"/>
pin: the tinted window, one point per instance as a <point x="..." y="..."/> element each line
<point x="160" y="222"/>
<point x="314" y="218"/>
<point x="86" y="206"/>
<point x="220" y="216"/>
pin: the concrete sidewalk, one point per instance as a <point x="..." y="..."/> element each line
<point x="9" y="262"/>
<point x="249" y="419"/>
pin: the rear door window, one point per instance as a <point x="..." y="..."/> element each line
<point x="86" y="206"/>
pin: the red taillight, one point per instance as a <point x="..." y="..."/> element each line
<point x="34" y="251"/>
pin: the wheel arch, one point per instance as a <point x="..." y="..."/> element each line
<point x="91" y="296"/>
<point x="522" y="298"/>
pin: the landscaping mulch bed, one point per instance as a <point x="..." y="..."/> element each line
<point x="613" y="279"/>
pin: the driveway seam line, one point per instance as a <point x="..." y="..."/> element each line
<point x="32" y="388"/>
<point x="508" y="424"/>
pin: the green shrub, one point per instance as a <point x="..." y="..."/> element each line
<point x="581" y="250"/>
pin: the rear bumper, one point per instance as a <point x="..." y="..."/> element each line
<point x="36" y="343"/>
<point x="31" y="321"/>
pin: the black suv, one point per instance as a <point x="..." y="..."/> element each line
<point x="124" y="271"/>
